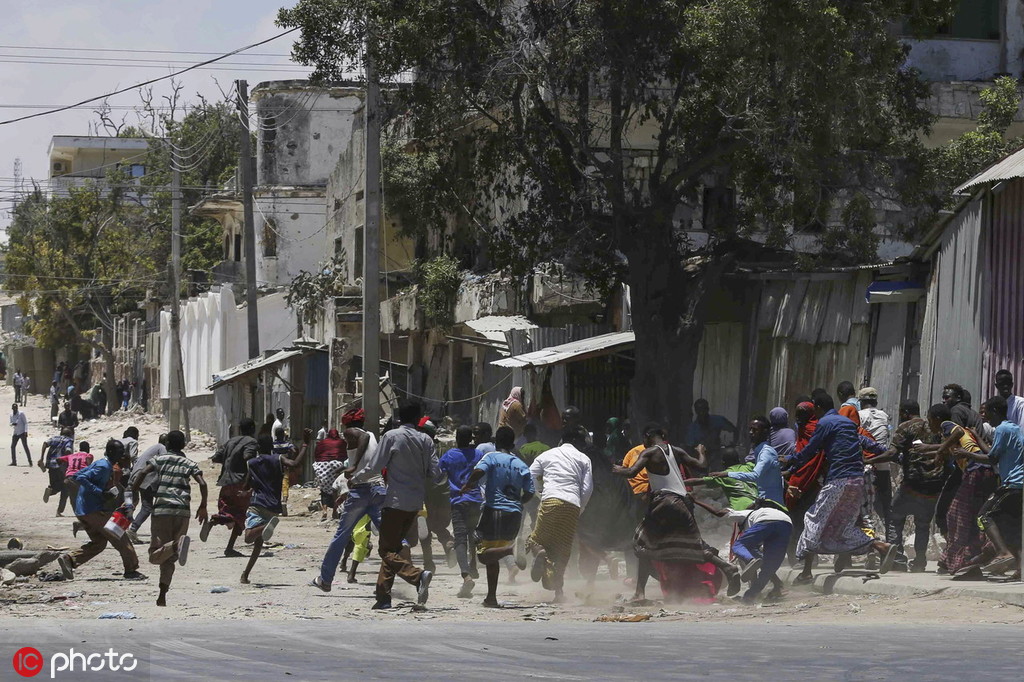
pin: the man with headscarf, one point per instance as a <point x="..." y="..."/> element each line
<point x="513" y="411"/>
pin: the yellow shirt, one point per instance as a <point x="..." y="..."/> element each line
<point x="639" y="483"/>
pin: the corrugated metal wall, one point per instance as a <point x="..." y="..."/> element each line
<point x="719" y="366"/>
<point x="951" y="343"/>
<point x="1005" y="330"/>
<point x="890" y="329"/>
<point x="812" y="334"/>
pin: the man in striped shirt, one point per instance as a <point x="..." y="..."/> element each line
<point x="171" y="508"/>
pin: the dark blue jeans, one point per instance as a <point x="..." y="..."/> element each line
<point x="768" y="541"/>
<point x="361" y="500"/>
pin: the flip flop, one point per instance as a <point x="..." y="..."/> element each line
<point x="748" y="572"/>
<point x="1001" y="566"/>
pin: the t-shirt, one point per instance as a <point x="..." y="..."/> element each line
<point x="173" y="491"/>
<point x="232" y="457"/>
<point x="1008" y="452"/>
<point x="75" y="462"/>
<point x="920" y="472"/>
<point x="486" y="448"/>
<point x="58" y="446"/>
<point x="741" y="494"/>
<point x="640" y="483"/>
<point x="265" y="478"/>
<point x="966" y="442"/>
<point x="530" y="451"/>
<point x="458" y="464"/>
<point x="506" y="478"/>
<point x="750" y="517"/>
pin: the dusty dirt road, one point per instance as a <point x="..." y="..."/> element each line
<point x="279" y="589"/>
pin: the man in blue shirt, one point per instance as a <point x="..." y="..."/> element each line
<point x="1001" y="514"/>
<point x="767" y="472"/>
<point x="706" y="429"/>
<point x="508" y="484"/>
<point x="830" y="525"/>
<point x="457" y="464"/>
<point x="94" y="491"/>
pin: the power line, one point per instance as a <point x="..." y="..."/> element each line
<point x="160" y="62"/>
<point x="294" y="70"/>
<point x="113" y="49"/>
<point x="151" y="81"/>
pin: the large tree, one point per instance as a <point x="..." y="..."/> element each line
<point x="602" y="134"/>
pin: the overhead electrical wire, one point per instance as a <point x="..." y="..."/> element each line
<point x="150" y="81"/>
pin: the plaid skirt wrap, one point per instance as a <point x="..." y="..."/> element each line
<point x="831" y="525"/>
<point x="669" y="532"/>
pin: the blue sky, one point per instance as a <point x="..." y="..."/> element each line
<point x="187" y="25"/>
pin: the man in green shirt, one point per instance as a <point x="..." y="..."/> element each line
<point x="740" y="494"/>
<point x="532" y="448"/>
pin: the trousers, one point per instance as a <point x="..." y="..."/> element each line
<point x="394" y="525"/>
<point x="362" y="500"/>
<point x="769" y="541"/>
<point x="165" y="531"/>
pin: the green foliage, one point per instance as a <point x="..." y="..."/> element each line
<point x="308" y="290"/>
<point x="78" y="260"/>
<point x="207" y="136"/>
<point x="538" y="113"/>
<point x="411" y="180"/>
<point x="439" y="280"/>
<point x="975" y="150"/>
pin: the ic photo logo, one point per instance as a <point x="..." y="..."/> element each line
<point x="29" y="662"/>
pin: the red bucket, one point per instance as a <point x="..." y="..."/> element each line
<point x="116" y="525"/>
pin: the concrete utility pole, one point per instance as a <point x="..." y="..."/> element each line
<point x="178" y="413"/>
<point x="371" y="248"/>
<point x="245" y="171"/>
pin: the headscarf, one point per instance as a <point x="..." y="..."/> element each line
<point x="514" y="396"/>
<point x="781" y="437"/>
<point x="353" y="415"/>
<point x="616" y="444"/>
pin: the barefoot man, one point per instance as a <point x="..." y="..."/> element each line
<point x="263" y="479"/>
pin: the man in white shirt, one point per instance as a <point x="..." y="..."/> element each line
<point x="567" y="479"/>
<point x="762" y="543"/>
<point x="280" y="422"/>
<point x="19" y="426"/>
<point x="876" y="422"/>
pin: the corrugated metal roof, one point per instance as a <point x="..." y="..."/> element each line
<point x="568" y="352"/>
<point x="1010" y="167"/>
<point x="494" y="326"/>
<point x="238" y="371"/>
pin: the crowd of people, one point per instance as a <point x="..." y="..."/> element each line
<point x="840" y="480"/>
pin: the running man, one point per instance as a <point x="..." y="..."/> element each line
<point x="508" y="484"/>
<point x="263" y="479"/>
<point x="171" y="508"/>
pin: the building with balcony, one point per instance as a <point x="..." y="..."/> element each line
<point x="87" y="160"/>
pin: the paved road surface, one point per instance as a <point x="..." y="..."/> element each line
<point x="339" y="650"/>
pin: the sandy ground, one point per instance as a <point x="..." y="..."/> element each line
<point x="279" y="590"/>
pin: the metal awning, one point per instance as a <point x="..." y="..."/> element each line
<point x="493" y="327"/>
<point x="1009" y="168"/>
<point x="595" y="346"/>
<point x="243" y="370"/>
<point x="895" y="292"/>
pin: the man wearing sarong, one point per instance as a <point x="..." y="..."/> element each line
<point x="233" y="501"/>
<point x="1001" y="514"/>
<point x="831" y="524"/>
<point x="669" y="532"/>
<point x="960" y="413"/>
<point x="567" y="479"/>
<point x="964" y="539"/>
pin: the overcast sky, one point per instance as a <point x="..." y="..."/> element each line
<point x="182" y="25"/>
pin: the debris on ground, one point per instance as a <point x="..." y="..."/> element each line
<point x="118" y="615"/>
<point x="623" y="618"/>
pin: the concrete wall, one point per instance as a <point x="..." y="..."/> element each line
<point x="290" y="224"/>
<point x="214" y="336"/>
<point x="302" y="131"/>
<point x="956" y="59"/>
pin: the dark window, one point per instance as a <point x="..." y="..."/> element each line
<point x="718" y="207"/>
<point x="978" y="19"/>
<point x="269" y="239"/>
<point x="238" y="247"/>
<point x="338" y="248"/>
<point x="359" y="252"/>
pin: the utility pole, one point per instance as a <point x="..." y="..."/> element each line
<point x="249" y="236"/>
<point x="371" y="247"/>
<point x="178" y="416"/>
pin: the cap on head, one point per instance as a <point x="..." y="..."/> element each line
<point x="867" y="393"/>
